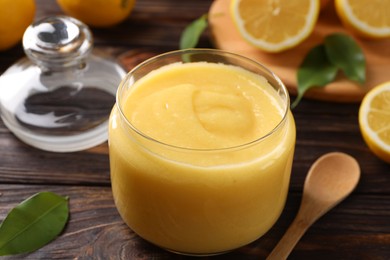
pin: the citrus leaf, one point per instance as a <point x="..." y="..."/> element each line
<point x="315" y="71"/>
<point x="191" y="34"/>
<point x="33" y="223"/>
<point x="345" y="53"/>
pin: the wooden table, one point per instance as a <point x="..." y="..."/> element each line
<point x="359" y="228"/>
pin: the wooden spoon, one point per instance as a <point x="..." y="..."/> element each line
<point x="330" y="180"/>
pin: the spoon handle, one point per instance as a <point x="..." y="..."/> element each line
<point x="290" y="239"/>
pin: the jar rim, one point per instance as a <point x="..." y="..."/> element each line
<point x="124" y="83"/>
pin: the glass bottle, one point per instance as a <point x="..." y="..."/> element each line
<point x="59" y="97"/>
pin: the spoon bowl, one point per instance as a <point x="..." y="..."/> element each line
<point x="330" y="180"/>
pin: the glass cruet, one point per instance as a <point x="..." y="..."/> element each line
<point x="59" y="97"/>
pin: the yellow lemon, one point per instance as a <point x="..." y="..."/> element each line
<point x="15" y="17"/>
<point x="275" y="25"/>
<point x="98" y="13"/>
<point x="374" y="120"/>
<point x="367" y="18"/>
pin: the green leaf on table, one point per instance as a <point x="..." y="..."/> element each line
<point x="345" y="53"/>
<point x="315" y="71"/>
<point x="191" y="34"/>
<point x="33" y="223"/>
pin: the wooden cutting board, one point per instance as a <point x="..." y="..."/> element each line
<point x="377" y="52"/>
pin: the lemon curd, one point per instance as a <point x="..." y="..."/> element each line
<point x="200" y="156"/>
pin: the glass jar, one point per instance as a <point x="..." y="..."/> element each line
<point x="59" y="97"/>
<point x="201" y="145"/>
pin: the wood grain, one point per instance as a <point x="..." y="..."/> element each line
<point x="95" y="229"/>
<point x="356" y="229"/>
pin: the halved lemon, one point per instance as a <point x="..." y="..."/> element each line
<point x="275" y="25"/>
<point x="367" y="18"/>
<point x="374" y="120"/>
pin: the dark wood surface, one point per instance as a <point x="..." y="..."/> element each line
<point x="358" y="228"/>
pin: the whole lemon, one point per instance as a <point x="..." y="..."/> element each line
<point x="98" y="13"/>
<point x="15" y="17"/>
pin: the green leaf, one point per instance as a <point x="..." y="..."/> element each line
<point x="33" y="223"/>
<point x="191" y="34"/>
<point x="345" y="53"/>
<point x="315" y="71"/>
